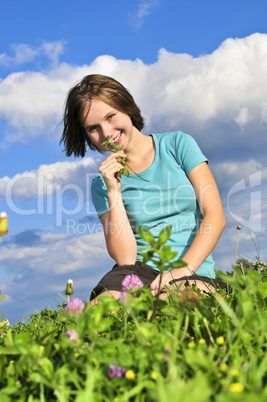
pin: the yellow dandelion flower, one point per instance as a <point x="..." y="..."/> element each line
<point x="11" y="362"/>
<point x="130" y="375"/>
<point x="191" y="344"/>
<point x="236" y="387"/>
<point x="223" y="367"/>
<point x="154" y="375"/>
<point x="41" y="350"/>
<point x="201" y="341"/>
<point x="76" y="354"/>
<point x="220" y="340"/>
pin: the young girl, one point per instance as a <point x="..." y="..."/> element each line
<point x="174" y="186"/>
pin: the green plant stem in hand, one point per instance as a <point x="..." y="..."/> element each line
<point x="165" y="256"/>
<point x="122" y="161"/>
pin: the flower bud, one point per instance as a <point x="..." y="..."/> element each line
<point x="4" y="324"/>
<point x="69" y="287"/>
<point x="3" y="224"/>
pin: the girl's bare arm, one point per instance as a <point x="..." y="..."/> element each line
<point x="120" y="240"/>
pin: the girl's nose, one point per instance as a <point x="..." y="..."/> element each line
<point x="106" y="130"/>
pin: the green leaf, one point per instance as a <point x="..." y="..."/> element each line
<point x="262" y="289"/>
<point x="146" y="235"/>
<point x="106" y="143"/>
<point x="165" y="234"/>
<point x="147" y="256"/>
<point x="104" y="325"/>
<point x="47" y="367"/>
<point x="166" y="254"/>
<point x="177" y="264"/>
<point x="124" y="172"/>
<point x="122" y="161"/>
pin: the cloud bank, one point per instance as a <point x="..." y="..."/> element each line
<point x="224" y="91"/>
<point x="45" y="180"/>
<point x="43" y="268"/>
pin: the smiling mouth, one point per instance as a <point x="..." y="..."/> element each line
<point x="117" y="138"/>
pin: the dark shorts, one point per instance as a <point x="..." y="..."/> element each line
<point x="113" y="279"/>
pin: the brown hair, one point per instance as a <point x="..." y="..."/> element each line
<point x="105" y="89"/>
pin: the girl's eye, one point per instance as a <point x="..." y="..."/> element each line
<point x="110" y="117"/>
<point x="91" y="129"/>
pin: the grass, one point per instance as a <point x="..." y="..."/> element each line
<point x="199" y="347"/>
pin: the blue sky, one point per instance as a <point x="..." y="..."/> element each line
<point x="197" y="66"/>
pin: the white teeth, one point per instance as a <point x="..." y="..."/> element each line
<point x="116" y="138"/>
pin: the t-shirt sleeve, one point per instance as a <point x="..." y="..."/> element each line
<point x="99" y="195"/>
<point x="188" y="152"/>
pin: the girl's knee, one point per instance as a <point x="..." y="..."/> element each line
<point x="111" y="293"/>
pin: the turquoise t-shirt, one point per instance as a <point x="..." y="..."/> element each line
<point x="168" y="198"/>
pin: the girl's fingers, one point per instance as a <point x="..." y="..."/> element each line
<point x="166" y="278"/>
<point x="113" y="156"/>
<point x="109" y="170"/>
<point x="111" y="161"/>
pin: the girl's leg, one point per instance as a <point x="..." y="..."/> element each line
<point x="111" y="293"/>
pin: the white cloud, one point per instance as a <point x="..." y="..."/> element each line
<point x="229" y="173"/>
<point x="144" y="9"/>
<point x="47" y="179"/>
<point x="220" y="85"/>
<point x="53" y="50"/>
<point x="56" y="254"/>
<point x="243" y="117"/>
<point x="24" y="53"/>
<point x="38" y="273"/>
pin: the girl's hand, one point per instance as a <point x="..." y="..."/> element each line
<point x="109" y="170"/>
<point x="167" y="277"/>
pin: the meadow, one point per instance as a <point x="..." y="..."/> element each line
<point x="193" y="347"/>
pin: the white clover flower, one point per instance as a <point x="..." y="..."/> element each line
<point x="4" y="324"/>
<point x="69" y="287"/>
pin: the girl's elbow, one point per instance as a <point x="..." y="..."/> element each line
<point x="125" y="262"/>
<point x="123" y="258"/>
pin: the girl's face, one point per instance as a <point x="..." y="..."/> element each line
<point x="103" y="120"/>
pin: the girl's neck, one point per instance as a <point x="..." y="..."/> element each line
<point x="141" y="152"/>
